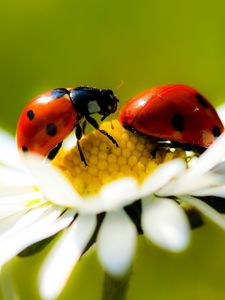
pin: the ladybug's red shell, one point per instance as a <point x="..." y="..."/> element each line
<point x="173" y="112"/>
<point x="44" y="123"/>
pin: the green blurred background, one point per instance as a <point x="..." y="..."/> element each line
<point x="127" y="46"/>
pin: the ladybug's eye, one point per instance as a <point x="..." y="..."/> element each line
<point x="59" y="93"/>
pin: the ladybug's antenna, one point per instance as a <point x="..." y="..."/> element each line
<point x="119" y="85"/>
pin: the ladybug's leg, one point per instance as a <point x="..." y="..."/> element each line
<point x="78" y="132"/>
<point x="94" y="123"/>
<point x="172" y="144"/>
<point x="154" y="151"/>
<point x="84" y="126"/>
<point x="54" y="151"/>
<point x="186" y="147"/>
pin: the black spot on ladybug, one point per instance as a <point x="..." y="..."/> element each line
<point x="58" y="93"/>
<point x="24" y="149"/>
<point x="30" y="114"/>
<point x="202" y="101"/>
<point x="177" y="122"/>
<point x="216" y="131"/>
<point x="51" y="129"/>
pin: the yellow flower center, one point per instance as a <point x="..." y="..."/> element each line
<point x="134" y="157"/>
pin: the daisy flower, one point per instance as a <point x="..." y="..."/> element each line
<point x="123" y="192"/>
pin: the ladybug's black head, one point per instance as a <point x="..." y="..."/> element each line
<point x="88" y="100"/>
<point x="107" y="102"/>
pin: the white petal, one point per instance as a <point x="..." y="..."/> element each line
<point x="16" y="191"/>
<point x="10" y="205"/>
<point x="205" y="209"/>
<point x="120" y="192"/>
<point x="11" y="177"/>
<point x="166" y="224"/>
<point x="216" y="191"/>
<point x="189" y="184"/>
<point x="18" y="197"/>
<point x="220" y="168"/>
<point x="116" y="243"/>
<point x="10" y="210"/>
<point x="8" y="151"/>
<point x="210" y="158"/>
<point x="53" y="184"/>
<point x="61" y="260"/>
<point x="70" y="141"/>
<point x="162" y="176"/>
<point x="112" y="196"/>
<point x="9" y="221"/>
<point x="30" y="218"/>
<point x="14" y="243"/>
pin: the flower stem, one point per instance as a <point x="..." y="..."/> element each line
<point x="114" y="288"/>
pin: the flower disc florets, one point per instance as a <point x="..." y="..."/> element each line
<point x="136" y="156"/>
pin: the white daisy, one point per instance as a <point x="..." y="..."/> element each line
<point x="101" y="204"/>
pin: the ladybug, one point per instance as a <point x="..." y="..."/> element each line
<point x="50" y="117"/>
<point x="176" y="115"/>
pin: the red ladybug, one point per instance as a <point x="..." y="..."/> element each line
<point x="50" y="117"/>
<point x="176" y="113"/>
